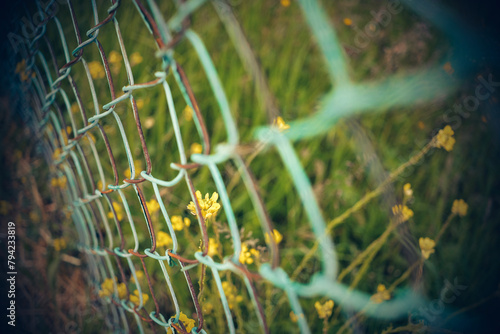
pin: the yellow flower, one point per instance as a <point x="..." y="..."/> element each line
<point x="149" y="122"/>
<point x="135" y="298"/>
<point x="381" y="295"/>
<point x="426" y="246"/>
<point x="187" y="322"/>
<point x="285" y="3"/>
<point x="277" y="236"/>
<point x="178" y="223"/>
<point x="347" y="21"/>
<point x="106" y="288"/>
<point x="118" y="211"/>
<point x="65" y="137"/>
<point x="459" y="207"/>
<point x="122" y="291"/>
<point x="96" y="70"/>
<point x="59" y="182"/>
<point x="293" y="317"/>
<point x="109" y="129"/>
<point x="207" y="307"/>
<point x="280" y="124"/>
<point x="324" y="310"/>
<point x="99" y="185"/>
<point x="56" y="154"/>
<point x="247" y="254"/>
<point x="114" y="57"/>
<point x="62" y="182"/>
<point x="213" y="247"/>
<point x="445" y="138"/>
<point x="139" y="103"/>
<point x="135" y="58"/>
<point x="231" y="294"/>
<point x="188" y="113"/>
<point x="407" y="190"/>
<point x="196" y="148"/>
<point x="75" y="108"/>
<point x="139" y="274"/>
<point x="209" y="206"/>
<point x="137" y="166"/>
<point x="402" y="213"/>
<point x="153" y="206"/>
<point x="163" y="239"/>
<point x="59" y="244"/>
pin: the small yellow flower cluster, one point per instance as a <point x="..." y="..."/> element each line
<point x="59" y="244"/>
<point x="96" y="70"/>
<point x="118" y="211"/>
<point x="187" y="322"/>
<point x="402" y="213"/>
<point x="149" y="122"/>
<point x="56" y="154"/>
<point x="196" y="148"/>
<point x="64" y="137"/>
<point x="75" y="108"/>
<point x="59" y="182"/>
<point x="232" y="297"/>
<point x="280" y="124"/>
<point x="295" y="317"/>
<point x="285" y="3"/>
<point x="426" y="246"/>
<point x="163" y="239"/>
<point x="408" y="192"/>
<point x="459" y="207"/>
<point x="188" y="113"/>
<point x="347" y="21"/>
<point x="107" y="289"/>
<point x="115" y="60"/>
<point x="324" y="310"/>
<point x="153" y="206"/>
<point x="136" y="300"/>
<point x="178" y="223"/>
<point x="139" y="274"/>
<point x="114" y="57"/>
<point x="213" y="247"/>
<point x="139" y="103"/>
<point x="209" y="206"/>
<point x="135" y="59"/>
<point x="207" y="307"/>
<point x="137" y="167"/>
<point x="247" y="254"/>
<point x="381" y="295"/>
<point x="445" y="138"/>
<point x="276" y="235"/>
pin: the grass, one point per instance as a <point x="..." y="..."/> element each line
<point x="344" y="165"/>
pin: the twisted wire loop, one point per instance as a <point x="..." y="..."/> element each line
<point x="89" y="204"/>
